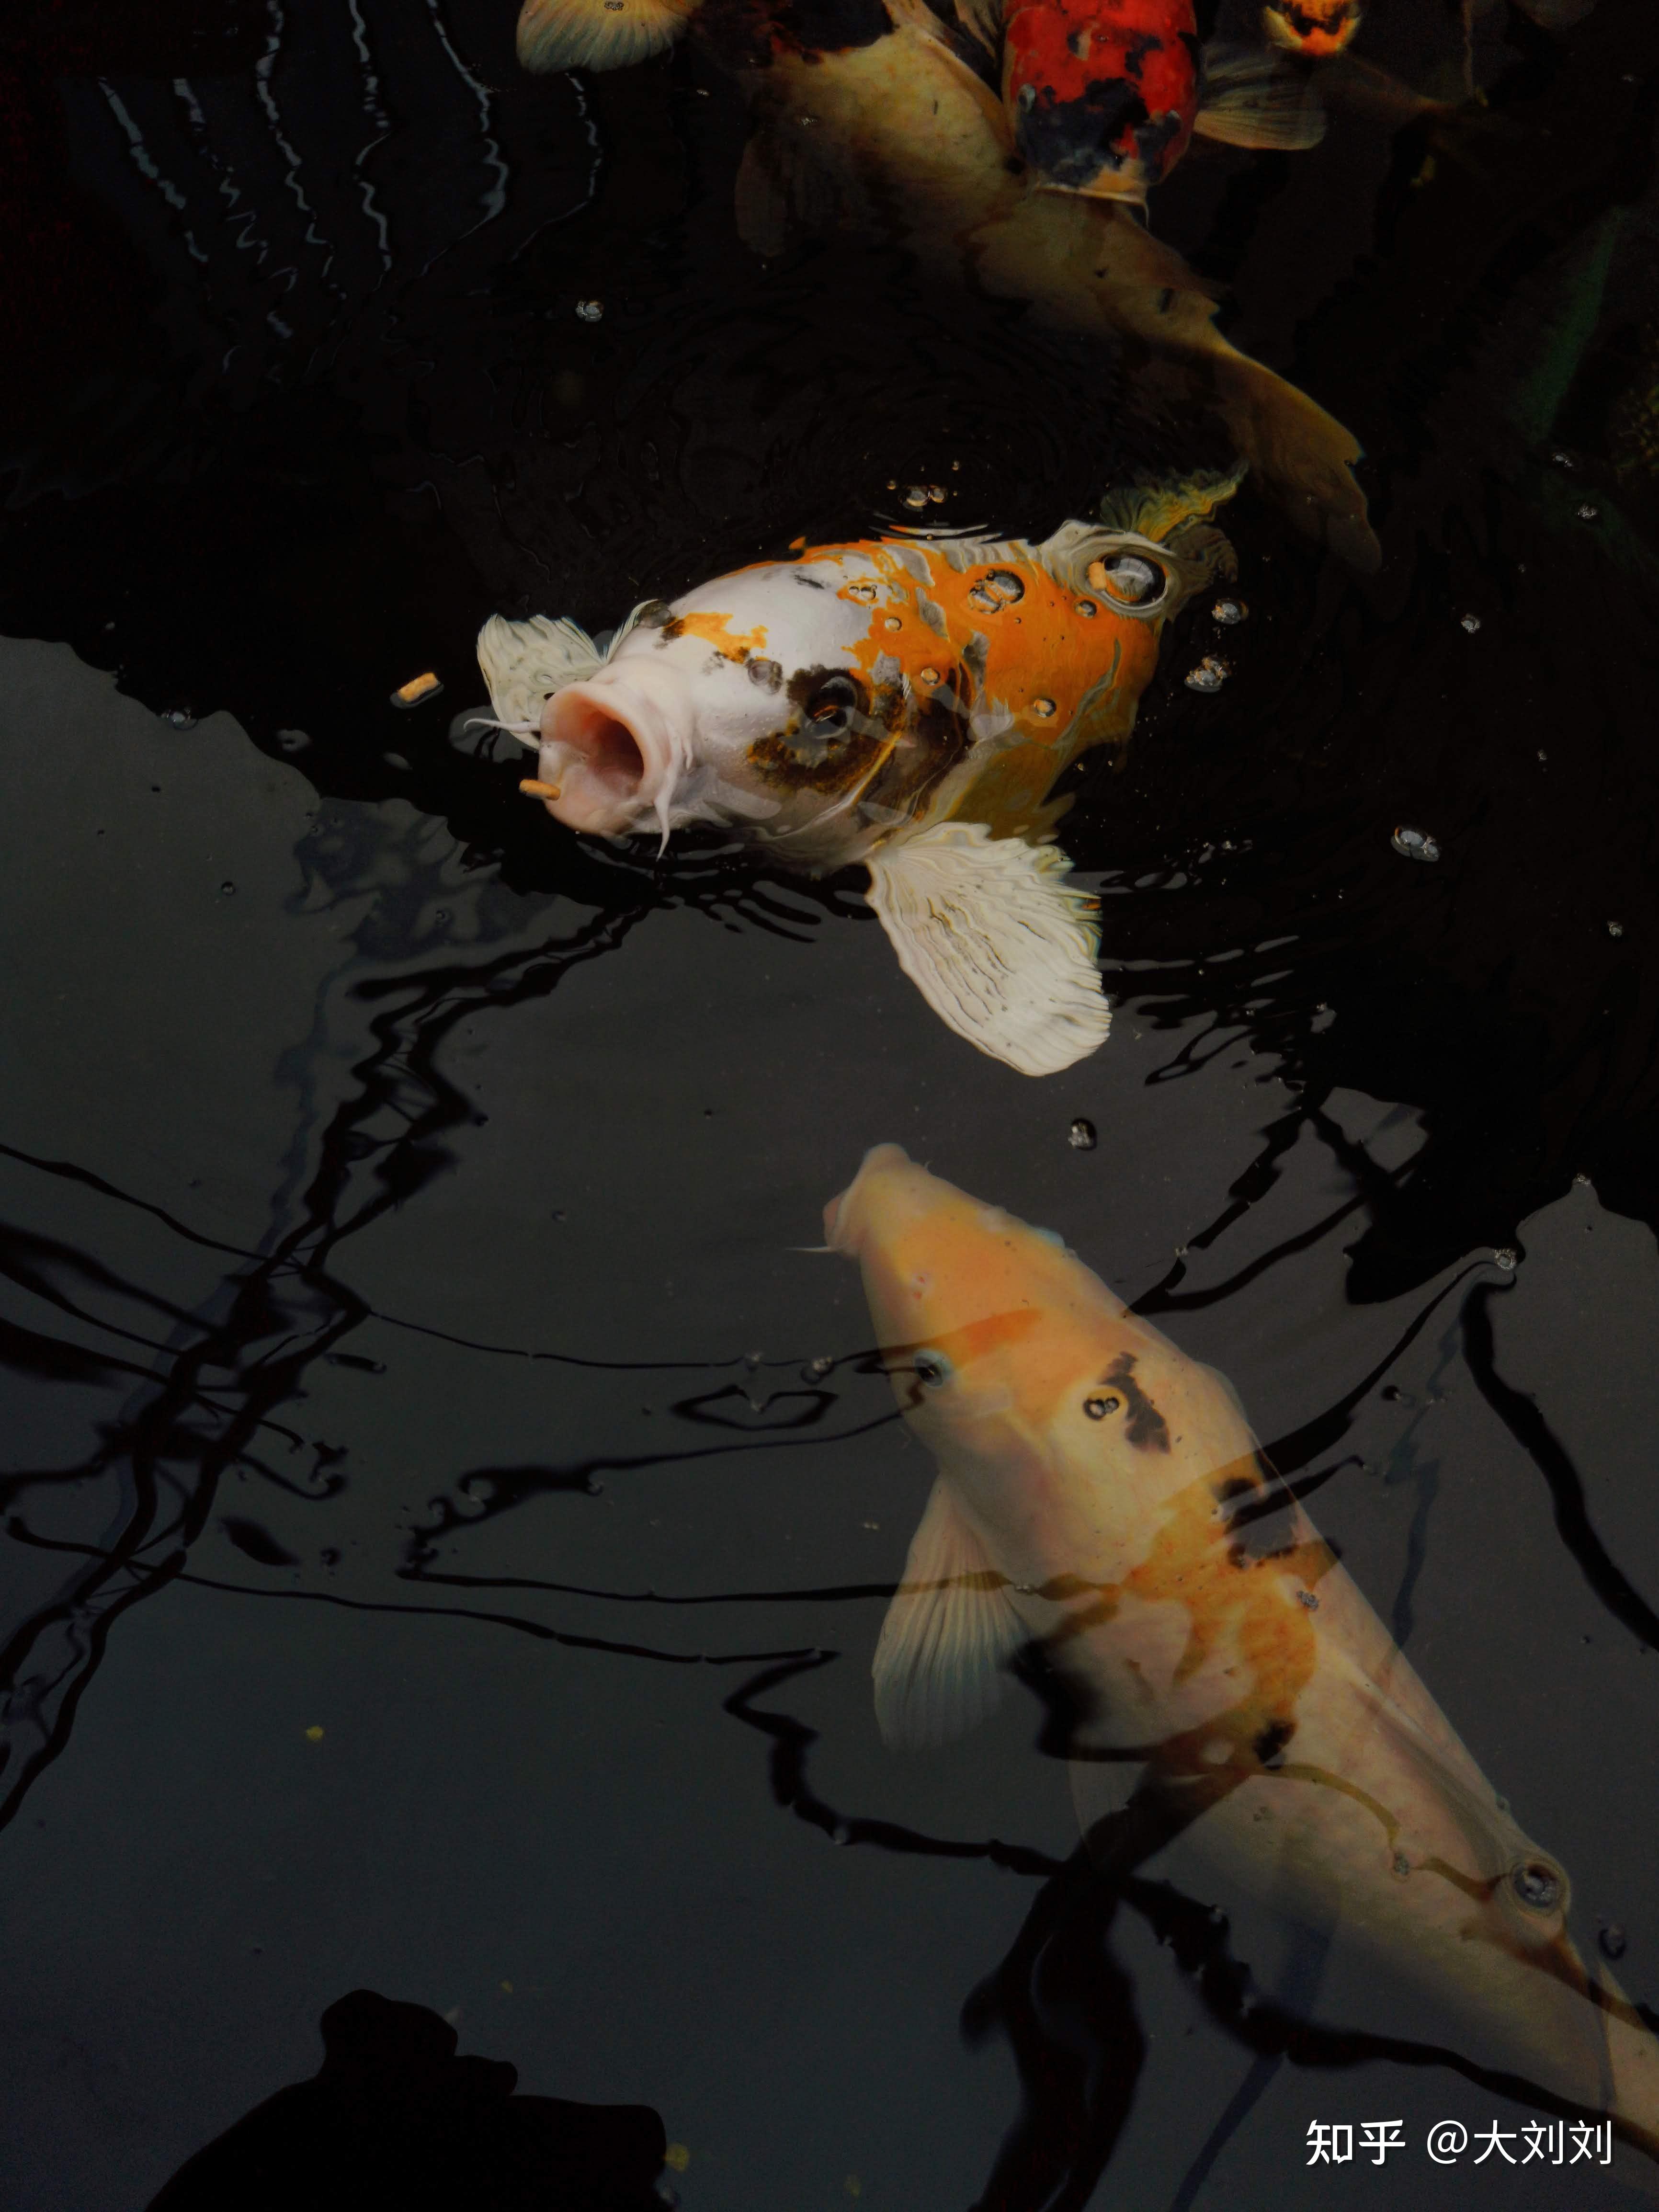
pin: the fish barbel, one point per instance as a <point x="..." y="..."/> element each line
<point x="1097" y="1491"/>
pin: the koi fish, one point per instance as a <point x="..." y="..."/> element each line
<point x="1100" y="1496"/>
<point x="904" y="703"/>
<point x="1315" y="29"/>
<point x="887" y="116"/>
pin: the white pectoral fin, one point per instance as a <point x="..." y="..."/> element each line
<point x="524" y="662"/>
<point x="947" y="1636"/>
<point x="997" y="941"/>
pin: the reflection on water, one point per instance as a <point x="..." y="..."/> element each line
<point x="449" y="1514"/>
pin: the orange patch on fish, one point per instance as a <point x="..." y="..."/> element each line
<point x="711" y="628"/>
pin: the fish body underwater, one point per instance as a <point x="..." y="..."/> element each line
<point x="1101" y="1497"/>
<point x="886" y="117"/>
<point x="904" y="703"/>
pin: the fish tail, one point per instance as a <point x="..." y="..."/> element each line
<point x="1303" y="455"/>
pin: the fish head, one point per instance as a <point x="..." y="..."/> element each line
<point x="1314" y="28"/>
<point x="1026" y="1377"/>
<point x="761" y="699"/>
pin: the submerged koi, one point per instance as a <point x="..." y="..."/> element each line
<point x="1100" y="1496"/>
<point x="888" y="115"/>
<point x="906" y="703"/>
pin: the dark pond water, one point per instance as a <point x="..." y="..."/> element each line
<point x="448" y="1516"/>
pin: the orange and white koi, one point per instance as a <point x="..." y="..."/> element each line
<point x="905" y="703"/>
<point x="1100" y="1496"/>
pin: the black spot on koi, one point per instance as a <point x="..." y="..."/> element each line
<point x="1269" y="1746"/>
<point x="1145" y="1428"/>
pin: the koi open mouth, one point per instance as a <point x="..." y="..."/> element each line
<point x="610" y="751"/>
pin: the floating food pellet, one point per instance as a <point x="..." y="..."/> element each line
<point x="1415" y="844"/>
<point x="1229" y="611"/>
<point x="1081" y="1136"/>
<point x="677" y="2156"/>
<point x="1562" y="460"/>
<point x="1209" y="675"/>
<point x="417" y="690"/>
<point x="1471" y="623"/>
<point x="916" y="495"/>
<point x="1586" y="512"/>
<point x="1507" y="1258"/>
<point x="314" y="1735"/>
<point x="1612" y="1940"/>
<point x="1042" y="709"/>
<point x="1615" y="929"/>
<point x="534" y="788"/>
<point x="590" y="311"/>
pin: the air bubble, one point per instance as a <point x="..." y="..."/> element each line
<point x="1615" y="929"/>
<point x="1042" y="709"/>
<point x="1209" y="675"/>
<point x="1471" y="623"/>
<point x="1415" y="844"/>
<point x="1229" y="611"/>
<point x="1586" y="513"/>
<point x="1507" y="1258"/>
<point x="590" y="311"/>
<point x="916" y="495"/>
<point x="1537" y="1885"/>
<point x="1612" y="1938"/>
<point x="180" y="717"/>
<point x="1081" y="1136"/>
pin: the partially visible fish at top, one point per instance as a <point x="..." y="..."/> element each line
<point x="889" y="116"/>
<point x="1229" y="1694"/>
<point x="904" y="703"/>
<point x="1104" y="96"/>
<point x="1314" y="28"/>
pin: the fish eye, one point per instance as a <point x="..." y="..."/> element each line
<point x="1537" y="1884"/>
<point x="1128" y="579"/>
<point x="1098" y="1408"/>
<point x="932" y="1369"/>
<point x="833" y="701"/>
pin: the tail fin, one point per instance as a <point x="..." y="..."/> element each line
<point x="1303" y="455"/>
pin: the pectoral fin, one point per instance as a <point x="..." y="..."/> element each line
<point x="524" y="662"/>
<point x="938" y="1667"/>
<point x="1252" y="98"/>
<point x="1000" y="944"/>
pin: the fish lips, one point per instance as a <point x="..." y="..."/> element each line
<point x="844" y="1217"/>
<point x="612" y="749"/>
